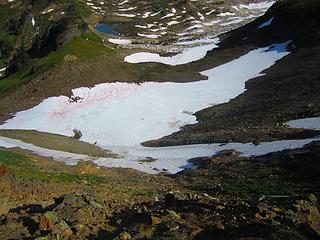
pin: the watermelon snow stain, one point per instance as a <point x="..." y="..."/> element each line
<point x="120" y="116"/>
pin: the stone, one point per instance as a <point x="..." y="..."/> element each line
<point x="52" y="216"/>
<point x="155" y="220"/>
<point x="124" y="236"/>
<point x="174" y="214"/>
<point x="48" y="220"/>
<point x="45" y="224"/>
<point x="3" y="170"/>
<point x="62" y="229"/>
<point x="258" y="216"/>
<point x="271" y="214"/>
<point x="95" y="204"/>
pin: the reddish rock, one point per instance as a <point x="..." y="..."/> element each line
<point x="3" y="170"/>
<point x="46" y="223"/>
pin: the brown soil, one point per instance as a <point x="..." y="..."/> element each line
<point x="56" y="142"/>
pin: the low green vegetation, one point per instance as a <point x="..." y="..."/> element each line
<point x="20" y="166"/>
<point x="9" y="158"/>
<point x="18" y="37"/>
<point x="88" y="46"/>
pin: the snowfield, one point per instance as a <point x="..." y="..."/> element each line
<point x="120" y="116"/>
<point x="125" y="114"/>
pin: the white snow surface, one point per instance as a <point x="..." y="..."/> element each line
<point x="48" y="11"/>
<point x="265" y="24"/>
<point x="254" y="6"/>
<point x="66" y="157"/>
<point x="126" y="15"/>
<point x="119" y="41"/>
<point x="120" y="116"/>
<point x="186" y="56"/>
<point x="124" y="114"/>
<point x="306" y="123"/>
<point x="153" y="36"/>
<point x="225" y="14"/>
<point x="198" y="41"/>
<point x="166" y="159"/>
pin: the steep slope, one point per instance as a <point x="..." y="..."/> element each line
<point x="170" y="21"/>
<point x="289" y="90"/>
<point x="32" y="29"/>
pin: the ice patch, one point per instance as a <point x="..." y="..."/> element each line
<point x="68" y="158"/>
<point x="306" y="123"/>
<point x="165" y="159"/>
<point x="225" y="14"/>
<point x="265" y="24"/>
<point x="153" y="36"/>
<point x="172" y="23"/>
<point x="48" y="11"/>
<point x="187" y="56"/>
<point x="119" y="41"/>
<point x="198" y="41"/>
<point x="168" y="15"/>
<point x="126" y="9"/>
<point x="124" y="2"/>
<point x="255" y="6"/>
<point x="125" y="15"/>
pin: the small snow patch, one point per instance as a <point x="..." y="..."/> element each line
<point x="119" y="41"/>
<point x="306" y="123"/>
<point x="226" y="14"/>
<point x="265" y="24"/>
<point x="187" y="56"/>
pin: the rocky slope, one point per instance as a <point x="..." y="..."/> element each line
<point x="33" y="29"/>
<point x="289" y="90"/>
<point x="166" y="22"/>
<point x="228" y="197"/>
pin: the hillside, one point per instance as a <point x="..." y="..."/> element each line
<point x="174" y="119"/>
<point x="289" y="90"/>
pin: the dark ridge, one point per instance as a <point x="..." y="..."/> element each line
<point x="294" y="20"/>
<point x="47" y="43"/>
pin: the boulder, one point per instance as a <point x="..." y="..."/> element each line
<point x="47" y="221"/>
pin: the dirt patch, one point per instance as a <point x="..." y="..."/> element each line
<point x="56" y="142"/>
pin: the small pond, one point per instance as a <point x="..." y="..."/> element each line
<point x="107" y="29"/>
